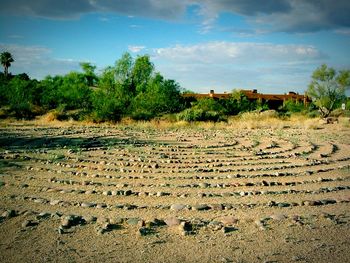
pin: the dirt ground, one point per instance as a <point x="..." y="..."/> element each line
<point x="130" y="194"/>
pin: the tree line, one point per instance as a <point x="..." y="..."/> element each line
<point x="132" y="88"/>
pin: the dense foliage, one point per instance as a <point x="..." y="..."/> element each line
<point x="328" y="87"/>
<point x="132" y="88"/>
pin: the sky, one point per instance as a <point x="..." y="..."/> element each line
<point x="272" y="45"/>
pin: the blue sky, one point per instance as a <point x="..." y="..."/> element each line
<point x="272" y="45"/>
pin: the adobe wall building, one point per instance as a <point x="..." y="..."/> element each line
<point x="273" y="100"/>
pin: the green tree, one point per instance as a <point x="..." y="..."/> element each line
<point x="123" y="70"/>
<point x="20" y="97"/>
<point x="142" y="72"/>
<point x="89" y="73"/>
<point x="327" y="88"/>
<point x="6" y="60"/>
<point x="161" y="96"/>
<point x="238" y="102"/>
<point x="50" y="97"/>
<point x="74" y="92"/>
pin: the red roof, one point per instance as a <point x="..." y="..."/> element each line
<point x="251" y="94"/>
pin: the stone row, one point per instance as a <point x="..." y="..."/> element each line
<point x="202" y="170"/>
<point x="200" y="195"/>
<point x="231" y="176"/>
<point x="198" y="185"/>
<point x="179" y="207"/>
<point x="225" y="223"/>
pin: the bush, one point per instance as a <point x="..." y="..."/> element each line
<point x="19" y="97"/>
<point x="204" y="110"/>
<point x="106" y="107"/>
<point x="292" y="106"/>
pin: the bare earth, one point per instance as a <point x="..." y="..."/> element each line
<point x="124" y="194"/>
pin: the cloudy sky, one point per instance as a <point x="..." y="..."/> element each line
<point x="270" y="45"/>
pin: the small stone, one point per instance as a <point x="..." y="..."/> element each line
<point x="172" y="221"/>
<point x="203" y="185"/>
<point x="55" y="202"/>
<point x="185" y="226"/>
<point x="8" y="214"/>
<point x="278" y="217"/>
<point x="133" y="221"/>
<point x="89" y="219"/>
<point x="87" y="204"/>
<point x="283" y="205"/>
<point x="217" y="207"/>
<point x="101" y="205"/>
<point x="200" y="207"/>
<point x="143" y="231"/>
<point x="60" y="230"/>
<point x="228" y="220"/>
<point x="26" y="223"/>
<point x="177" y="207"/>
<point x="107" y="193"/>
<point x="227" y="229"/>
<point x="66" y="221"/>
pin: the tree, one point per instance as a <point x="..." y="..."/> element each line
<point x="6" y="60"/>
<point x="89" y="72"/>
<point x="327" y="88"/>
<point x="142" y="72"/>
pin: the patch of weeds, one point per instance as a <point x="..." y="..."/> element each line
<point x="58" y="157"/>
<point x="7" y="164"/>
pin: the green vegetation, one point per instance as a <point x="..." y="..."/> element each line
<point x="327" y="88"/>
<point x="6" y="60"/>
<point x="132" y="88"/>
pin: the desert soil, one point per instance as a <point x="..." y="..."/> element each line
<point x="124" y="194"/>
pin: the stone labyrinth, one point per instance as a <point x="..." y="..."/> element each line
<point x="186" y="180"/>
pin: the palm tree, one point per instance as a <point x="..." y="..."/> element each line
<point x="6" y="60"/>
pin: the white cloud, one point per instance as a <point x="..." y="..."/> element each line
<point x="37" y="61"/>
<point x="135" y="49"/>
<point x="343" y="31"/>
<point x="227" y="65"/>
<point x="232" y="53"/>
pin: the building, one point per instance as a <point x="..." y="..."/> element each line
<point x="273" y="100"/>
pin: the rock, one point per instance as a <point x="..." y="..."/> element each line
<point x="133" y="221"/>
<point x="200" y="207"/>
<point x="60" y="230"/>
<point x="311" y="203"/>
<point x="106" y="192"/>
<point x="283" y="204"/>
<point x="89" y="219"/>
<point x="215" y="225"/>
<point x="227" y="229"/>
<point x="217" y="207"/>
<point x="87" y="204"/>
<point x="172" y="221"/>
<point x="8" y="214"/>
<point x="101" y="205"/>
<point x="177" y="207"/>
<point x="128" y="192"/>
<point x="278" y="217"/>
<point x="27" y="223"/>
<point x="143" y="231"/>
<point x="228" y="220"/>
<point x="185" y="226"/>
<point x="55" y="202"/>
<point x="203" y="185"/>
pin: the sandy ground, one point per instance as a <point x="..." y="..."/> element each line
<point x="126" y="194"/>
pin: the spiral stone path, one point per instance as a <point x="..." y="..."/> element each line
<point x="123" y="194"/>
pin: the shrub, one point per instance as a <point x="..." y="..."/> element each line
<point x="204" y="110"/>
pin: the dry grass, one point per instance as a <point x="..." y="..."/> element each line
<point x="249" y="120"/>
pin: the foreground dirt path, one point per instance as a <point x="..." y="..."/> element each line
<point x="123" y="194"/>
